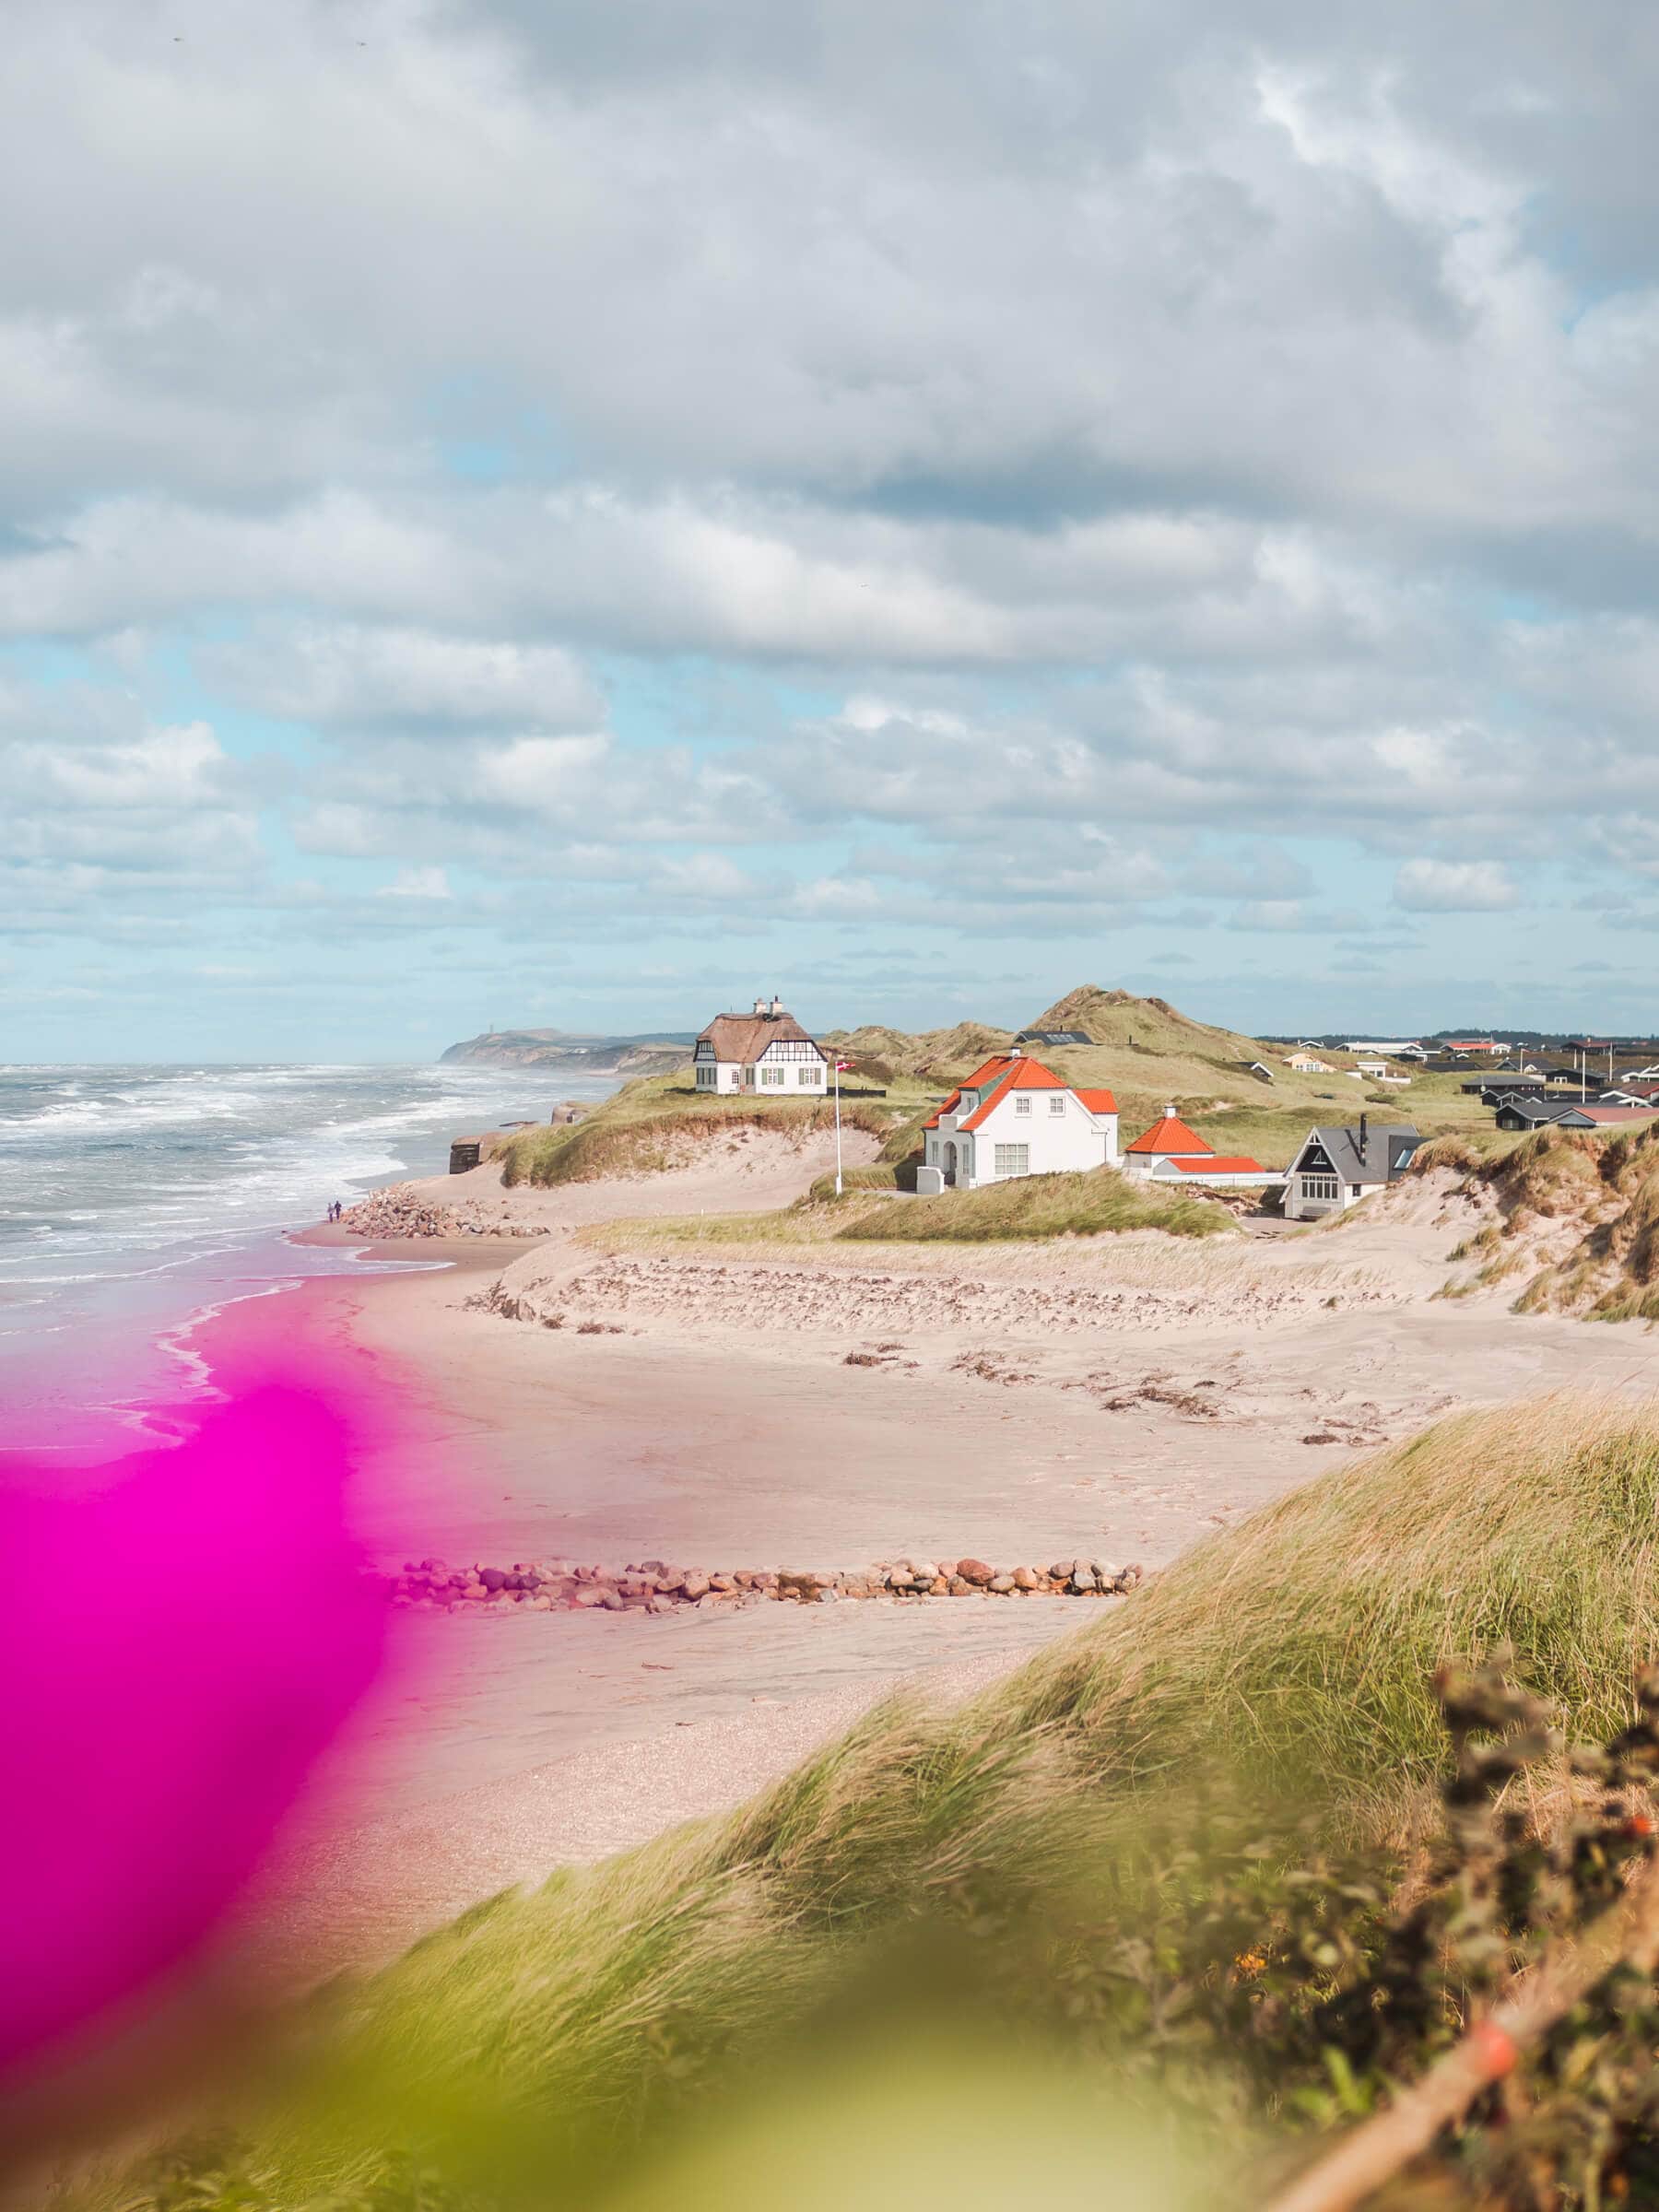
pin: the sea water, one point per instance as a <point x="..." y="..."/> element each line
<point x="136" y="1198"/>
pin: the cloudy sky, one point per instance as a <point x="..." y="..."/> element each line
<point x="577" y="514"/>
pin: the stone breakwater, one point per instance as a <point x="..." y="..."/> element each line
<point x="398" y="1212"/>
<point x="653" y="1586"/>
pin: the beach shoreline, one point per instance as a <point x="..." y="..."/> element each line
<point x="1121" y="1396"/>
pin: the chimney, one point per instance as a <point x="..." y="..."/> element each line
<point x="759" y="1005"/>
<point x="1169" y="1113"/>
<point x="777" y="1006"/>
<point x="1364" y="1129"/>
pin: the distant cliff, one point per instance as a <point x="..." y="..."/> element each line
<point x="570" y="1050"/>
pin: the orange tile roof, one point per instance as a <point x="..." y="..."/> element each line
<point x="934" y="1119"/>
<point x="1007" y="1072"/>
<point x="1018" y="1074"/>
<point x="1218" y="1164"/>
<point x="1168" y="1133"/>
<point x="993" y="1098"/>
<point x="988" y="1072"/>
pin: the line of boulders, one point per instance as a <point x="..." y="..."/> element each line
<point x="653" y="1586"/>
<point x="396" y="1211"/>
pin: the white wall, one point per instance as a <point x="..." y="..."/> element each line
<point x="1060" y="1144"/>
<point x="1297" y="1208"/>
<point x="729" y="1074"/>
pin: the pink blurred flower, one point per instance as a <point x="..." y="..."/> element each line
<point x="177" y="1648"/>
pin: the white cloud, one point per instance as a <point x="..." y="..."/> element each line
<point x="649" y="454"/>
<point x="1456" y="887"/>
<point x="356" y="674"/>
<point x="417" y="883"/>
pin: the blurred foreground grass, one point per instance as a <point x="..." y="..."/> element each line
<point x="1043" y="1860"/>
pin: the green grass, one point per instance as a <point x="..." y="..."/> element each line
<point x="1294" y="1652"/>
<point x="652" y="1124"/>
<point x="1098" y="1203"/>
<point x="1149" y="1054"/>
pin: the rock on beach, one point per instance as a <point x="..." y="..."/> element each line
<point x="652" y="1586"/>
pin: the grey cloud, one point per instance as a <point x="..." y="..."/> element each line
<point x="1165" y="433"/>
<point x="354" y="674"/>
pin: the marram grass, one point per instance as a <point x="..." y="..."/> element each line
<point x="1292" y="1655"/>
<point x="1099" y="1202"/>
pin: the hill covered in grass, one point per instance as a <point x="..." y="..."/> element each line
<point x="1146" y="1050"/>
<point x="1087" y="1854"/>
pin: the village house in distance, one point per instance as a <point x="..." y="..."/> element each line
<point x="1338" y="1167"/>
<point x="1171" y="1152"/>
<point x="766" y="1050"/>
<point x="1015" y="1117"/>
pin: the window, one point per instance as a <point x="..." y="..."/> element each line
<point x="1022" y="1105"/>
<point x="808" y="1075"/>
<point x="1320" y="1186"/>
<point x="1013" y="1160"/>
<point x="1056" y="1105"/>
<point x="771" y="1075"/>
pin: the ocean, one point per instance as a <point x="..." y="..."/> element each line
<point x="134" y="1198"/>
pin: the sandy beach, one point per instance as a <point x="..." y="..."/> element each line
<point x="1123" y="1396"/>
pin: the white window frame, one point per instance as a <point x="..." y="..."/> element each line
<point x="1011" y="1160"/>
<point x="809" y="1074"/>
<point x="1022" y="1105"/>
<point x="772" y="1077"/>
<point x="1056" y="1105"/>
<point x="1324" y="1189"/>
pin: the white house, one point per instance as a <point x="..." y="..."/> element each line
<point x="767" y="1051"/>
<point x="1171" y="1152"/>
<point x="1016" y="1117"/>
<point x="1305" y="1064"/>
<point x="1335" y="1168"/>
<point x="1378" y="1071"/>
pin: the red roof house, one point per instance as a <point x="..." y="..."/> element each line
<point x="1012" y="1117"/>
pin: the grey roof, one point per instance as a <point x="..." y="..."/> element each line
<point x="1371" y="1163"/>
<point x="1538" y="1110"/>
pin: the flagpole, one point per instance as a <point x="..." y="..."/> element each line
<point x="838" y="1144"/>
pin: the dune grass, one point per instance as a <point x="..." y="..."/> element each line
<point x="872" y="1211"/>
<point x="1577" y="1221"/>
<point x="657" y="1121"/>
<point x="1293" y="1653"/>
<point x="1098" y="1203"/>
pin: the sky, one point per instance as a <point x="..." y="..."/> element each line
<point x="578" y="515"/>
